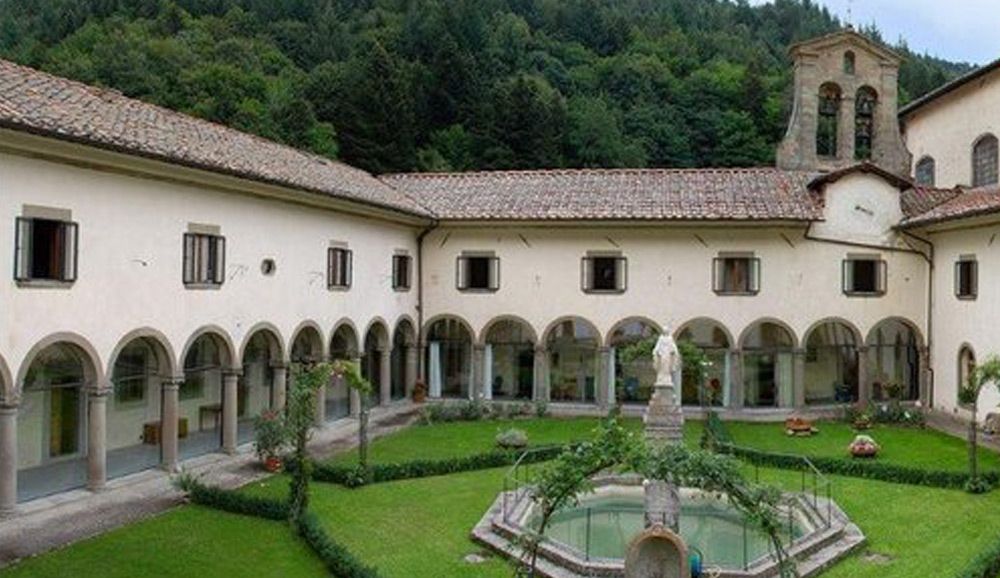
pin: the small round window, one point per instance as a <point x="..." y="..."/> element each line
<point x="268" y="267"/>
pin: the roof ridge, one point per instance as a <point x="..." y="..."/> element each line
<point x="600" y="171"/>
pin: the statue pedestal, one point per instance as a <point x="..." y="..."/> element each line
<point x="664" y="419"/>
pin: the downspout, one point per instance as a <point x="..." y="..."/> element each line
<point x="421" y="361"/>
<point x="930" y="314"/>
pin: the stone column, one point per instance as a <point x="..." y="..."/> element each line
<point x="798" y="380"/>
<point x="169" y="422"/>
<point x="320" y="417"/>
<point x="230" y="416"/>
<point x="864" y="386"/>
<point x="410" y="373"/>
<point x="478" y="372"/>
<point x="353" y="395"/>
<point x="603" y="381"/>
<point x="736" y="378"/>
<point x="97" y="450"/>
<point x="279" y="385"/>
<point x="385" y="375"/>
<point x="925" y="377"/>
<point x="8" y="456"/>
<point x="541" y="374"/>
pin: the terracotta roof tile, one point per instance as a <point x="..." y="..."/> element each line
<point x="963" y="204"/>
<point x="625" y="194"/>
<point x="48" y="105"/>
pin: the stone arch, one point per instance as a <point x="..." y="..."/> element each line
<point x="632" y="319"/>
<point x="430" y="323"/>
<point x="164" y="351"/>
<point x="899" y="319"/>
<point x="828" y="119"/>
<point x="7" y="390"/>
<point x="924" y="171"/>
<point x="275" y="341"/>
<point x="559" y="320"/>
<point x="405" y="323"/>
<point x="656" y="549"/>
<point x="228" y="349"/>
<point x="92" y="368"/>
<point x="855" y="333"/>
<point x="772" y="320"/>
<point x="710" y="320"/>
<point x="481" y="340"/>
<point x="345" y="328"/>
<point x="311" y="331"/>
<point x="380" y="328"/>
<point x="985" y="156"/>
<point x="866" y="101"/>
<point x="896" y="361"/>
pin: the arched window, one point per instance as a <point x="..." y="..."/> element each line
<point x="925" y="172"/>
<point x="966" y="365"/>
<point x="984" y="161"/>
<point x="864" y="122"/>
<point x="827" y="123"/>
<point x="849" y="61"/>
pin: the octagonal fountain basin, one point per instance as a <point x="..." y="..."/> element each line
<point x="591" y="538"/>
<point x="602" y="524"/>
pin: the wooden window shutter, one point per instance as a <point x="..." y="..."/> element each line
<point x="189" y="257"/>
<point x="494" y="281"/>
<point x="462" y="273"/>
<point x="621" y="273"/>
<point x="68" y="267"/>
<point x="883" y="276"/>
<point x="587" y="274"/>
<point x="219" y="261"/>
<point x="754" y="285"/>
<point x="348" y="267"/>
<point x="22" y="249"/>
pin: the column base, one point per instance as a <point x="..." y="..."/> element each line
<point x="97" y="488"/>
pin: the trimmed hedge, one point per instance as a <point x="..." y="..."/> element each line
<point x="356" y="476"/>
<point x="337" y="559"/>
<point x="860" y="469"/>
<point x="236" y="502"/>
<point x="985" y="565"/>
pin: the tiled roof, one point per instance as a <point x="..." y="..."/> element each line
<point x="48" y="105"/>
<point x="963" y="204"/>
<point x="918" y="199"/>
<point x="623" y="194"/>
<point x="948" y="88"/>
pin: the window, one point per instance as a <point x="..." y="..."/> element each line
<point x="864" y="123"/>
<point x="827" y="124"/>
<point x="401" y="267"/>
<point x="966" y="277"/>
<point x="204" y="259"/>
<point x="478" y="272"/>
<point x="736" y="275"/>
<point x="604" y="273"/>
<point x="339" y="268"/>
<point x="984" y="161"/>
<point x="45" y="250"/>
<point x="925" y="172"/>
<point x="864" y="276"/>
<point x="849" y="62"/>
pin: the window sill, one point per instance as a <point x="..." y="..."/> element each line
<point x="477" y="290"/>
<point x="863" y="294"/>
<point x="966" y="297"/>
<point x="737" y="293"/>
<point x="401" y="289"/>
<point x="604" y="291"/>
<point x="203" y="286"/>
<point x="44" y="284"/>
<point x="338" y="288"/>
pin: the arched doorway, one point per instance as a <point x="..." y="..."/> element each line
<point x="255" y="393"/>
<point x="449" y="358"/>
<point x="376" y="346"/>
<point x="714" y="341"/>
<point x="572" y="344"/>
<point x="200" y="396"/>
<point x="634" y="374"/>
<point x="831" y="365"/>
<point x="894" y="360"/>
<point x="402" y="340"/>
<point x="768" y="365"/>
<point x="509" y="360"/>
<point x="343" y="347"/>
<point x="52" y="421"/>
<point x="134" y="407"/>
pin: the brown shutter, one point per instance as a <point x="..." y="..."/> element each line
<point x="189" y="258"/>
<point x="22" y="249"/>
<point x="68" y="267"/>
<point x="219" y="273"/>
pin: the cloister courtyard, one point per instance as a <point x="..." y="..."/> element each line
<point x="421" y="527"/>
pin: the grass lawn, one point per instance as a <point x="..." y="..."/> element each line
<point x="182" y="543"/>
<point x="920" y="448"/>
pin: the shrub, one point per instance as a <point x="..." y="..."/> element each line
<point x="541" y="409"/>
<point x="337" y="559"/>
<point x="230" y="501"/>
<point x="512" y="439"/>
<point x="270" y="436"/>
<point x="985" y="565"/>
<point x="893" y="412"/>
<point x="860" y="469"/>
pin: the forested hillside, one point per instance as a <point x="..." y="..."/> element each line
<point x="399" y="85"/>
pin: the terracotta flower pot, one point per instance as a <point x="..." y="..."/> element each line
<point x="272" y="465"/>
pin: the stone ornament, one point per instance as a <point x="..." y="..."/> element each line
<point x="657" y="552"/>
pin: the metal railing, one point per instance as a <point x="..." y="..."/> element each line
<point x="519" y="480"/>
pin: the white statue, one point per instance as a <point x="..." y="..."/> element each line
<point x="666" y="358"/>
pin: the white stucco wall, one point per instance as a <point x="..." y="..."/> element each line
<point x="957" y="321"/>
<point x="860" y="208"/>
<point x="130" y="262"/>
<point x="947" y="128"/>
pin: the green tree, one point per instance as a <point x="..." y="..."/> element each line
<point x="968" y="395"/>
<point x="300" y="418"/>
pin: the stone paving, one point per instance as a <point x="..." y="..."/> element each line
<point x="52" y="522"/>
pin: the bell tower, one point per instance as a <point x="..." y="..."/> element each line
<point x="845" y="103"/>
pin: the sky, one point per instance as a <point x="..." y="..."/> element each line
<point x="959" y="30"/>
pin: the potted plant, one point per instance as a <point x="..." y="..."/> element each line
<point x="862" y="421"/>
<point x="269" y="439"/>
<point x="419" y="392"/>
<point x="863" y="447"/>
<point x="512" y="439"/>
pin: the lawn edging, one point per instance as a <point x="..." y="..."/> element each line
<point x="337" y="559"/>
<point x="858" y="469"/>
<point x="357" y="476"/>
<point x="985" y="565"/>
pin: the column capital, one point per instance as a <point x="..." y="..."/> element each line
<point x="281" y="364"/>
<point x="604" y="350"/>
<point x="541" y="349"/>
<point x="801" y="351"/>
<point x="10" y="400"/>
<point x="98" y="393"/>
<point x="232" y="372"/>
